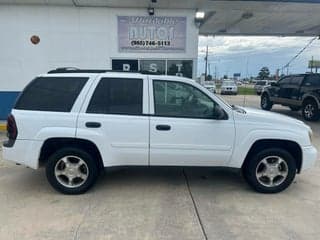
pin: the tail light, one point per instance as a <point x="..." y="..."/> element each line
<point x="12" y="130"/>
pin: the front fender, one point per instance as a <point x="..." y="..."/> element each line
<point x="243" y="145"/>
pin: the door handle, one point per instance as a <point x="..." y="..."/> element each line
<point x="93" y="124"/>
<point x="163" y="127"/>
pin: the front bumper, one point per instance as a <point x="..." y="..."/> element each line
<point x="310" y="155"/>
<point x="228" y="91"/>
<point x="258" y="90"/>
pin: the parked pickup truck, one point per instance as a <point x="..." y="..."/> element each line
<point x="77" y="122"/>
<point x="298" y="92"/>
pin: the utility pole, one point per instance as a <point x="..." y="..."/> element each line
<point x="215" y="72"/>
<point x="206" y="66"/>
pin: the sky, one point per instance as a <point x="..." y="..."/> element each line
<point x="247" y="55"/>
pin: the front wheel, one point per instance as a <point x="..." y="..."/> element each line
<point x="265" y="103"/>
<point x="270" y="171"/>
<point x="71" y="171"/>
<point x="310" y="110"/>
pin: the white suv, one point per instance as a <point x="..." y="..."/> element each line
<point x="76" y="122"/>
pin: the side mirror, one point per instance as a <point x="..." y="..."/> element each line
<point x="219" y="113"/>
<point x="274" y="84"/>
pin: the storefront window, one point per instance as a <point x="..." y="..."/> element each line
<point x="182" y="68"/>
<point x="153" y="66"/>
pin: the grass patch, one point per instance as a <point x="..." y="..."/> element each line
<point x="246" y="91"/>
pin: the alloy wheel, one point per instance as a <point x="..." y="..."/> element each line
<point x="71" y="171"/>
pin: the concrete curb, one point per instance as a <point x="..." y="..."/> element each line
<point x="3" y="127"/>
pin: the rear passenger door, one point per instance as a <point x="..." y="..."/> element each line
<point x="115" y="119"/>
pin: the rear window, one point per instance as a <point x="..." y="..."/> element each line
<point x="312" y="81"/>
<point x="117" y="96"/>
<point x="56" y="94"/>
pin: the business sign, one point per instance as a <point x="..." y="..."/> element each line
<point x="235" y="75"/>
<point x="150" y="33"/>
<point x="314" y="64"/>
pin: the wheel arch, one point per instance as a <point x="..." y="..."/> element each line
<point x="311" y="97"/>
<point x="292" y="147"/>
<point x="51" y="145"/>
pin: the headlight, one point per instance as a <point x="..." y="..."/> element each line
<point x="311" y="136"/>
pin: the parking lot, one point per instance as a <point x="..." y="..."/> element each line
<point x="161" y="203"/>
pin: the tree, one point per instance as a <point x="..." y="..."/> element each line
<point x="264" y="73"/>
<point x="209" y="77"/>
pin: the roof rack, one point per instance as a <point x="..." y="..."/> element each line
<point x="77" y="70"/>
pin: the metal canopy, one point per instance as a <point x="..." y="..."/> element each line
<point x="229" y="17"/>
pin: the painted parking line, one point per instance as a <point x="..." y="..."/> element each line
<point x="3" y="127"/>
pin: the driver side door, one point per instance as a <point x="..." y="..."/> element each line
<point x="184" y="130"/>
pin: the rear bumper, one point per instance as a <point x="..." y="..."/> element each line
<point x="310" y="155"/>
<point x="25" y="152"/>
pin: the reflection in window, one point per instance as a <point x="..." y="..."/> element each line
<point x="181" y="100"/>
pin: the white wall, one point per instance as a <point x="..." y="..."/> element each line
<point x="69" y="36"/>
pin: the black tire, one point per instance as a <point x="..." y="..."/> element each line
<point x="92" y="172"/>
<point x="310" y="110"/>
<point x="258" y="93"/>
<point x="251" y="167"/>
<point x="265" y="102"/>
<point x="294" y="108"/>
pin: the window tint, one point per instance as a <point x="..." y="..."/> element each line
<point x="56" y="94"/>
<point x="312" y="81"/>
<point x="117" y="96"/>
<point x="261" y="83"/>
<point x="285" y="80"/>
<point x="182" y="100"/>
<point x="297" y="80"/>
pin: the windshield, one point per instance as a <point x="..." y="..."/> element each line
<point x="261" y="83"/>
<point x="228" y="83"/>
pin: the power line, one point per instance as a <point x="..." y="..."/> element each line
<point x="299" y="53"/>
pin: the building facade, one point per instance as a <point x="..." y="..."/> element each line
<point x="36" y="39"/>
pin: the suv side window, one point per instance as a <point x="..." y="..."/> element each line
<point x="117" y="96"/>
<point x="285" y="80"/>
<point x="56" y="94"/>
<point x="297" y="80"/>
<point x="312" y="81"/>
<point x="177" y="99"/>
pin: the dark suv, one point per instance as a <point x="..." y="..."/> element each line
<point x="300" y="91"/>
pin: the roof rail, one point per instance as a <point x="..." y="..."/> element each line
<point x="77" y="70"/>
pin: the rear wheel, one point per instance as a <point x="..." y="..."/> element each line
<point x="265" y="103"/>
<point x="71" y="171"/>
<point x="270" y="171"/>
<point x="310" y="110"/>
<point x="294" y="108"/>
